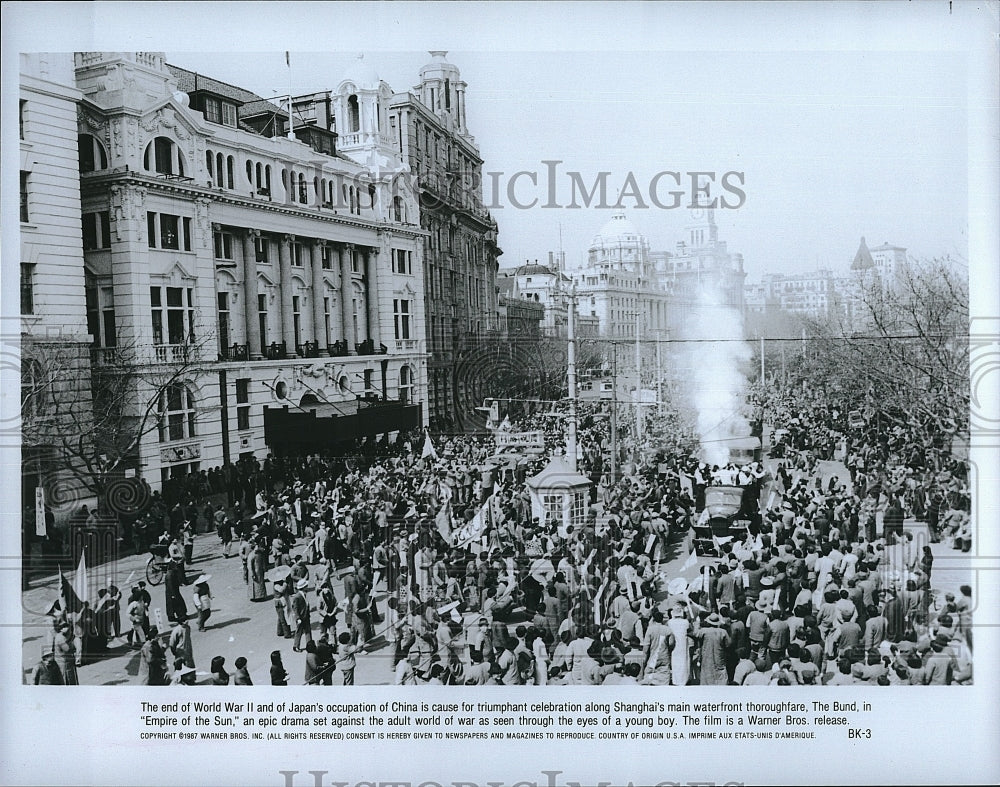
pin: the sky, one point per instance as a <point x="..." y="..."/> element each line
<point x="832" y="145"/>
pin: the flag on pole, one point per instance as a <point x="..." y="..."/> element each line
<point x="692" y="560"/>
<point x="428" y="448"/>
<point x="80" y="580"/>
<point x="70" y="601"/>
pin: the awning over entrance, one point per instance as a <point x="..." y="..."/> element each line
<point x="289" y="431"/>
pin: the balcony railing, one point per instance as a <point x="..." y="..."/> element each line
<point x="235" y="352"/>
<point x="172" y="353"/>
<point x="410" y="345"/>
<point x="307" y="350"/>
<point x="367" y="347"/>
<point x="338" y="349"/>
<point x="275" y="351"/>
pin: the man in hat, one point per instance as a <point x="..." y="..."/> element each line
<point x="153" y="661"/>
<point x="300" y="613"/>
<point x="757" y="627"/>
<point x="713" y="641"/>
<point x="179" y="643"/>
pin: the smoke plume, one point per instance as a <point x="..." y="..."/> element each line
<point x="714" y="384"/>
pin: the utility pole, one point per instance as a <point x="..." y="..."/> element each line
<point x="762" y="359"/>
<point x="614" y="410"/>
<point x="571" y="377"/>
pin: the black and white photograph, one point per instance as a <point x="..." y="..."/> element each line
<point x="579" y="366"/>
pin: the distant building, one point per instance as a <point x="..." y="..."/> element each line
<point x="619" y="286"/>
<point x="702" y="264"/>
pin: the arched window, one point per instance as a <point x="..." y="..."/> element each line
<point x="220" y="170"/>
<point x="230" y="164"/>
<point x="92" y="155"/>
<point x="308" y="400"/>
<point x="250" y="172"/>
<point x="177" y="413"/>
<point x="353" y="114"/>
<point x="210" y="164"/>
<point x="162" y="155"/>
<point x="303" y="189"/>
<point x="405" y="384"/>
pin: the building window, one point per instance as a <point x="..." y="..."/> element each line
<point x="401" y="317"/>
<point x="177" y="413"/>
<point x="27" y="288"/>
<point x="405" y="384"/>
<point x="219" y="111"/>
<point x="298" y="252"/>
<point x="325" y="257"/>
<point x="262" y="321"/>
<point x="223" y="303"/>
<point x="167" y="231"/>
<point x="223" y="246"/>
<point x="402" y="261"/>
<point x="20" y="118"/>
<point x="355" y="263"/>
<point x="101" y="316"/>
<point x="303" y="189"/>
<point x="353" y="114"/>
<point x="92" y="155"/>
<point x="24" y="197"/>
<point x="327" y="321"/>
<point x="96" y="231"/>
<point x="163" y="156"/>
<point x="243" y="403"/>
<point x="261" y="246"/>
<point x="297" y="319"/>
<point x="179" y="313"/>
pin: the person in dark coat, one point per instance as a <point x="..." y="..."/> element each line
<point x="313" y="667"/>
<point x="300" y="615"/>
<point x="47" y="672"/>
<point x="241" y="677"/>
<point x="279" y="676"/>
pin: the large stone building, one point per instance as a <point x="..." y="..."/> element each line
<point x="428" y="127"/>
<point x="619" y="285"/>
<point x="702" y="268"/>
<point x="54" y="342"/>
<point x="269" y="290"/>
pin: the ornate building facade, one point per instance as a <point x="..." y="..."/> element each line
<point x="428" y="127"/>
<point x="239" y="259"/>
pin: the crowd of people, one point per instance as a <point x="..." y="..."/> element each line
<point x="367" y="557"/>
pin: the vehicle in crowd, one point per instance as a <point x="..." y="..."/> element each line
<point x="724" y="518"/>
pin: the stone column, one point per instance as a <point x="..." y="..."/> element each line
<point x="371" y="295"/>
<point x="318" y="290"/>
<point x="248" y="270"/>
<point x="285" y="269"/>
<point x="346" y="293"/>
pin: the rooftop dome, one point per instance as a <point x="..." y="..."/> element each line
<point x="362" y="74"/>
<point x="617" y="230"/>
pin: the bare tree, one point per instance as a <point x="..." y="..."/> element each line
<point x="905" y="348"/>
<point x="88" y="417"/>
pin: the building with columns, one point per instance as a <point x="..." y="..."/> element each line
<point x="281" y="281"/>
<point x="619" y="286"/>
